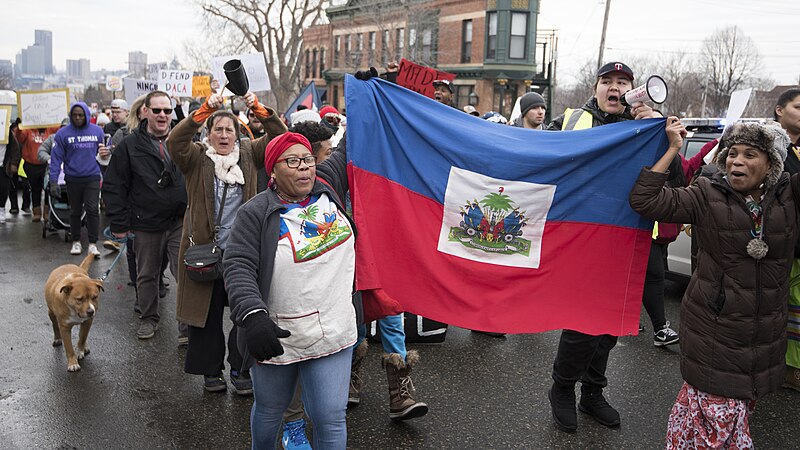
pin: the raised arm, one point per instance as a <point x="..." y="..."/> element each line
<point x="272" y="125"/>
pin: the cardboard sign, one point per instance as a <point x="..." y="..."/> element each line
<point x="201" y="86"/>
<point x="176" y="83"/>
<point x="254" y="66"/>
<point x="42" y="109"/>
<point x="419" y="78"/>
<point x="136" y="88"/>
<point x="5" y="119"/>
<point x="114" y="83"/>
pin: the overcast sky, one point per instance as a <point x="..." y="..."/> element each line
<point x="104" y="31"/>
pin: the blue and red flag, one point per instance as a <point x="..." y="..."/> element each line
<point x="308" y="97"/>
<point x="497" y="228"/>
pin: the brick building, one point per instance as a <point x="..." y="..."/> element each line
<point x="491" y="45"/>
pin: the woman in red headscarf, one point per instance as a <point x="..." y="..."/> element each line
<point x="289" y="270"/>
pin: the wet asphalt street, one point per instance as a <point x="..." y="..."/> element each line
<point x="484" y="393"/>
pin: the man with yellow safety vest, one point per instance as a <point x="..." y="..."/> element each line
<point x="582" y="357"/>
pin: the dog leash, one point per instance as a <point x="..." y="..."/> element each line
<point x="123" y="248"/>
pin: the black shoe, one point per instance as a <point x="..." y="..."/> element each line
<point x="214" y="383"/>
<point x="562" y="403"/>
<point x="242" y="384"/>
<point x="594" y="404"/>
<point x="14" y="210"/>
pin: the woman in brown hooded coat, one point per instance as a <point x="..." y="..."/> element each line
<point x="733" y="314"/>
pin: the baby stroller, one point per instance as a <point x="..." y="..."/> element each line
<point x="57" y="217"/>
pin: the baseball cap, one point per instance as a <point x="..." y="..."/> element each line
<point x="119" y="103"/>
<point x="447" y="83"/>
<point x="469" y="109"/>
<point x="615" y="67"/>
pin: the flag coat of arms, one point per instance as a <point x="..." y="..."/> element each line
<point x="497" y="228"/>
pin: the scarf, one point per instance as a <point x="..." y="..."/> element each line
<point x="226" y="168"/>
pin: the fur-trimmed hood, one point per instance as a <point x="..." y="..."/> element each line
<point x="771" y="139"/>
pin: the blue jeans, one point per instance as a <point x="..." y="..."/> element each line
<point x="393" y="336"/>
<point x="325" y="382"/>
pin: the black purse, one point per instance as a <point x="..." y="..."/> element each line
<point x="203" y="262"/>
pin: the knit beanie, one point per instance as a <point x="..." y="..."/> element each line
<point x="530" y="100"/>
<point x="304" y="115"/>
<point x="770" y="139"/>
<point x="280" y="144"/>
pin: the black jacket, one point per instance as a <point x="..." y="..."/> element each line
<point x="13" y="154"/>
<point x="134" y="200"/>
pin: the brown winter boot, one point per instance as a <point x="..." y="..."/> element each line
<point x="354" y="396"/>
<point x="46" y="212"/>
<point x="402" y="405"/>
<point x="792" y="380"/>
<point x="37" y="214"/>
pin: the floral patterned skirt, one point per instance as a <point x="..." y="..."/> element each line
<point x="700" y="420"/>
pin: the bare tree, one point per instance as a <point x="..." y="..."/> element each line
<point x="731" y="62"/>
<point x="273" y="28"/>
<point x="574" y="96"/>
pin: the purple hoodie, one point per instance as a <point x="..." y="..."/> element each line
<point x="77" y="148"/>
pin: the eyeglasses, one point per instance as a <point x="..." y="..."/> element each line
<point x="158" y="111"/>
<point x="293" y="162"/>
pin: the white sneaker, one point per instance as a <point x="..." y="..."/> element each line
<point x="2" y="215"/>
<point x="93" y="250"/>
<point x="76" y="248"/>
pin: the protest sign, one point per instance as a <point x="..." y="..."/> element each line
<point x="254" y="66"/>
<point x="136" y="88"/>
<point x="177" y="83"/>
<point x="736" y="106"/>
<point x="153" y="69"/>
<point x="42" y="109"/>
<point x="114" y="83"/>
<point x="201" y="86"/>
<point x="419" y="78"/>
<point x="5" y="118"/>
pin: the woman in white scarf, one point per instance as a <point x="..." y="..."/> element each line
<point x="219" y="165"/>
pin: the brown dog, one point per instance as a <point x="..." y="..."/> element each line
<point x="71" y="300"/>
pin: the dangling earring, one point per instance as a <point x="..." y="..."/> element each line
<point x="271" y="184"/>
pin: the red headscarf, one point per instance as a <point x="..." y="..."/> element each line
<point x="280" y="144"/>
<point x="328" y="110"/>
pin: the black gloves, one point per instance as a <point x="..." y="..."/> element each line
<point x="366" y="74"/>
<point x="262" y="336"/>
<point x="55" y="191"/>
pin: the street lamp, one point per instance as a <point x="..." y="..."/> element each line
<point x="473" y="98"/>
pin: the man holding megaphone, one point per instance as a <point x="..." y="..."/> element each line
<point x="582" y="357"/>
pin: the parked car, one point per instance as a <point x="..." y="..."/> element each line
<point x="681" y="254"/>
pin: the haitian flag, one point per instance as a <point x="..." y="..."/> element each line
<point x="497" y="228"/>
<point x="309" y="97"/>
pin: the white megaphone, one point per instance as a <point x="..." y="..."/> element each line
<point x="655" y="90"/>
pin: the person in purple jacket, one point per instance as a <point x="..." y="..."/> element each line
<point x="76" y="147"/>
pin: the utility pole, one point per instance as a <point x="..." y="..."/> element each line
<point x="603" y="36"/>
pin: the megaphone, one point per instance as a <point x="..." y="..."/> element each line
<point x="237" y="77"/>
<point x="654" y="89"/>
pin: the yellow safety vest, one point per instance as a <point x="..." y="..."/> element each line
<point x="580" y="121"/>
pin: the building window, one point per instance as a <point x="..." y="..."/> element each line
<point x="314" y="64"/>
<point x="372" y="48"/>
<point x="385" y="48"/>
<point x="348" y="46"/>
<point x="519" y="35"/>
<point x="308" y="64"/>
<point x="491" y="34"/>
<point x="321" y="61"/>
<point x="399" y="43"/>
<point x="427" y="45"/>
<point x="462" y="95"/>
<point x="336" y="46"/>
<point x="336" y="97"/>
<point x="466" y="41"/>
<point x="412" y="43"/>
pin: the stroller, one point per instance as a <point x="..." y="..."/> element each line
<point x="57" y="217"/>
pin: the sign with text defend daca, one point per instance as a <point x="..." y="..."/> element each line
<point x="176" y="83"/>
<point x="419" y="78"/>
<point x="5" y="120"/>
<point x="42" y="109"/>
